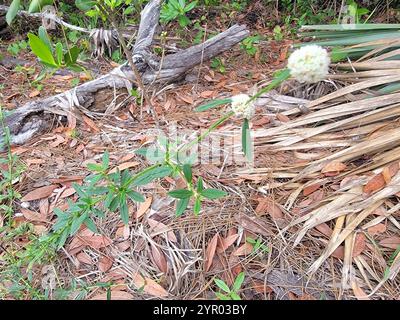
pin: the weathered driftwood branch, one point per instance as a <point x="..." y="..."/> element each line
<point x="28" y="120"/>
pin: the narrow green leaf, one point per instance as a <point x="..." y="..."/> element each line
<point x="235" y="296"/>
<point x="89" y="223"/>
<point x="180" y="193"/>
<point x="197" y="206"/>
<point x="222" y="285"/>
<point x="238" y="281"/>
<point x="213" y="104"/>
<point x="200" y="186"/>
<point x="12" y="11"/>
<point x="187" y="171"/>
<point x="213" y="193"/>
<point x="148" y="175"/>
<point x="59" y="53"/>
<point x="181" y="206"/>
<point x="135" y="196"/>
<point x="221" y="296"/>
<point x="246" y="140"/>
<point x="123" y="208"/>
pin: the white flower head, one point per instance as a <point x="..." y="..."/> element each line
<point x="241" y="108"/>
<point x="309" y="64"/>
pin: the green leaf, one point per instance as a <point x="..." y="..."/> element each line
<point x="238" y="281"/>
<point x="213" y="104"/>
<point x="180" y="193"/>
<point x="135" y="196"/>
<point x="42" y="33"/>
<point x="235" y="296"/>
<point x="91" y="225"/>
<point x="12" y="11"/>
<point x="221" y="296"/>
<point x="40" y="49"/>
<point x="200" y="186"/>
<point x="181" y="206"/>
<point x="85" y="5"/>
<point x="213" y="193"/>
<point x="105" y="160"/>
<point x="246" y="140"/>
<point x="76" y="223"/>
<point x="63" y="238"/>
<point x="37" y="5"/>
<point x="187" y="171"/>
<point x="59" y="53"/>
<point x="71" y="56"/>
<point x="123" y="208"/>
<point x="148" y="175"/>
<point x="197" y="206"/>
<point x="222" y="285"/>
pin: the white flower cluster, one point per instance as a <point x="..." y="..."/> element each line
<point x="241" y="108"/>
<point x="309" y="64"/>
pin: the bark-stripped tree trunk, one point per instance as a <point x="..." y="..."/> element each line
<point x="29" y="119"/>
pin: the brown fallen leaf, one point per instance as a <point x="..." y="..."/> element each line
<point x="376" y="229"/>
<point x="225" y="243"/>
<point x="91" y="124"/>
<point x="374" y="184"/>
<point x="389" y="171"/>
<point x="39" y="193"/>
<point x="359" y="244"/>
<point x="149" y="286"/>
<point x="358" y="292"/>
<point x="334" y="166"/>
<point x="105" y="263"/>
<point x="157" y="228"/>
<point x="34" y="93"/>
<point x="144" y="206"/>
<point x="96" y="242"/>
<point x="123" y="166"/>
<point x="159" y="258"/>
<point x="84" y="258"/>
<point x="115" y="295"/>
<point x="268" y="206"/>
<point x="244" y="250"/>
<point x="390" y="242"/>
<point x="32" y="215"/>
<point x="210" y="252"/>
<point x="310" y="189"/>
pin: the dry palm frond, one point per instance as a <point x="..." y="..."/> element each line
<point x="358" y="127"/>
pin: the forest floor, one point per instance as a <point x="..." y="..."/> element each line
<point x="179" y="257"/>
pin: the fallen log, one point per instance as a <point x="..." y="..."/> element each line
<point x="30" y="120"/>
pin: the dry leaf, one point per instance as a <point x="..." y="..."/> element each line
<point x="310" y="189"/>
<point x="34" y="93"/>
<point x="39" y="193"/>
<point x="359" y="244"/>
<point x="96" y="242"/>
<point x="243" y="250"/>
<point x="159" y="258"/>
<point x="144" y="206"/>
<point x="390" y="242"/>
<point x="210" y="252"/>
<point x="376" y="183"/>
<point x="105" y="263"/>
<point x="91" y="124"/>
<point x="84" y="258"/>
<point x="149" y="286"/>
<point x="358" y="292"/>
<point x="225" y="243"/>
<point x="31" y="215"/>
<point x="376" y="229"/>
<point x="268" y="206"/>
<point x="334" y="166"/>
<point x="157" y="228"/>
<point x="124" y="166"/>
